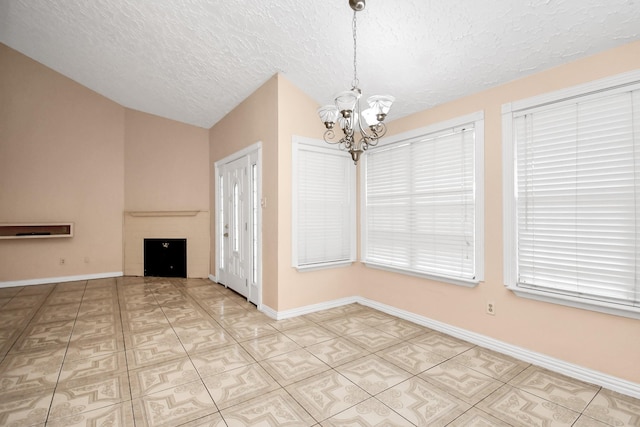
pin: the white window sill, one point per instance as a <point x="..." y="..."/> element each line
<point x="445" y="279"/>
<point x="322" y="266"/>
<point x="575" y="302"/>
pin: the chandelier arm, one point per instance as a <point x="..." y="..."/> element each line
<point x="348" y="142"/>
<point x="329" y="136"/>
<point x="371" y="139"/>
<point x="348" y="130"/>
<point x="345" y="143"/>
<point x="363" y="131"/>
<point x="379" y="130"/>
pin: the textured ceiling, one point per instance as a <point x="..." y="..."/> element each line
<point x="195" y="60"/>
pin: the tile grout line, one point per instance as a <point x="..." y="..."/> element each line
<point x="413" y="376"/>
<point x="189" y="356"/>
<point x="119" y="285"/>
<point x="64" y="356"/>
<point x="27" y="322"/>
<point x="255" y="361"/>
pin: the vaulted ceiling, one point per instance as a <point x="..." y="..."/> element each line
<point x="195" y="60"/>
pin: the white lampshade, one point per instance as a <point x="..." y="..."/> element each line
<point x="381" y="103"/>
<point x="370" y="116"/>
<point x="346" y="101"/>
<point x="328" y="113"/>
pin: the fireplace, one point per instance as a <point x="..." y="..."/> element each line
<point x="165" y="257"/>
<point x="167" y="225"/>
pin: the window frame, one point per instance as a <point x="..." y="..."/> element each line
<point x="618" y="83"/>
<point x="310" y="144"/>
<point x="477" y="119"/>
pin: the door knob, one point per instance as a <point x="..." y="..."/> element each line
<point x="226" y="234"/>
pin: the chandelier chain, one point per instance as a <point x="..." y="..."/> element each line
<point x="355" y="82"/>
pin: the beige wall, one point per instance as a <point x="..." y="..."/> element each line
<point x="61" y="159"/>
<point x="597" y="341"/>
<point x="166" y="164"/>
<point x="254" y="120"/>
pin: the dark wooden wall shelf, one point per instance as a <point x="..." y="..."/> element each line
<point x="36" y="230"/>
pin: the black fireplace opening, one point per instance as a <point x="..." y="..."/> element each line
<point x="165" y="257"/>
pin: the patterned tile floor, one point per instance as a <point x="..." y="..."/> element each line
<point x="169" y="352"/>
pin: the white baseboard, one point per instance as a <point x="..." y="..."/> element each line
<point x="213" y="278"/>
<point x="574" y="371"/>
<point x="295" y="312"/>
<point x="46" y="280"/>
<point x="270" y="312"/>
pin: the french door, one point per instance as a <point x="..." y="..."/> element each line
<point x="238" y="224"/>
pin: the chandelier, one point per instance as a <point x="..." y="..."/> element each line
<point x="360" y="129"/>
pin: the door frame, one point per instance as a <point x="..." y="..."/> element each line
<point x="254" y="150"/>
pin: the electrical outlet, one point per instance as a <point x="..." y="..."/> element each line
<point x="491" y="308"/>
<point x="62" y="261"/>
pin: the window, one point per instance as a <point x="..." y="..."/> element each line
<point x="254" y="214"/>
<point x="323" y="214"/>
<point x="572" y="196"/>
<point x="236" y="217"/>
<point x="423" y="204"/>
<point x="221" y="225"/>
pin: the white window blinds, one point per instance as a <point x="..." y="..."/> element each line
<point x="323" y="205"/>
<point x="577" y="197"/>
<point x="420" y="205"/>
